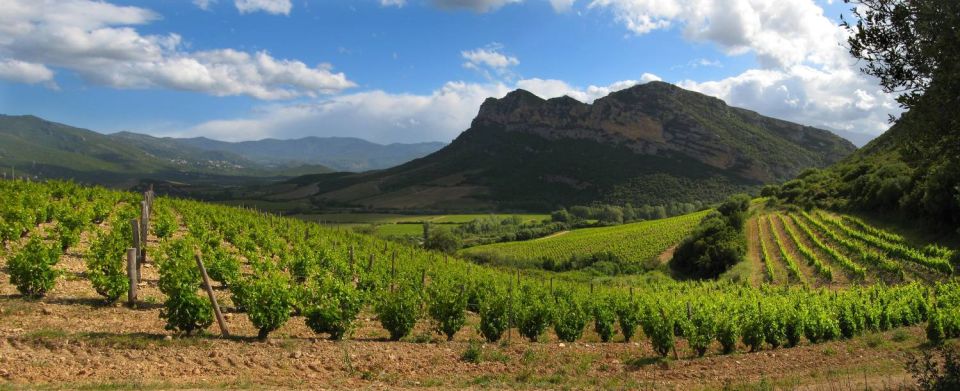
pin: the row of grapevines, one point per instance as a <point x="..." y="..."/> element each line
<point x="764" y="253"/>
<point x="897" y="250"/>
<point x="791" y="264"/>
<point x="807" y="253"/>
<point x="868" y="256"/>
<point x="855" y="270"/>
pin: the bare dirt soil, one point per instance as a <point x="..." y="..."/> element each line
<point x="71" y="339"/>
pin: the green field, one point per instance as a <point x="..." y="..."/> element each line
<point x="393" y="218"/>
<point x="635" y="242"/>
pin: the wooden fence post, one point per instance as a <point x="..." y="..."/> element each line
<point x="132" y="276"/>
<point x="213" y="299"/>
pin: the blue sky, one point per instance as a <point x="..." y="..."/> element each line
<point x="406" y="71"/>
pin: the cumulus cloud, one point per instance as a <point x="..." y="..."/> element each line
<point x="385" y="117"/>
<point x="489" y="61"/>
<point x="395" y="3"/>
<point x="839" y="99"/>
<point x="805" y="73"/>
<point x="473" y="5"/>
<point x="275" y="7"/>
<point x="97" y="41"/>
<point x="25" y="72"/>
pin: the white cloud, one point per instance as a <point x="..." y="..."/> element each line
<point x="805" y="74"/>
<point x="489" y="61"/>
<point x="25" y="72"/>
<point x="839" y="99"/>
<point x="204" y="4"/>
<point x="384" y="117"/>
<point x="473" y="5"/>
<point x="780" y="33"/>
<point x="96" y="40"/>
<point x="275" y="7"/>
<point x="395" y="3"/>
<point x="562" y="5"/>
<point x="489" y="57"/>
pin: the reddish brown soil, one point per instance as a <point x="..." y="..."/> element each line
<point x="71" y="339"/>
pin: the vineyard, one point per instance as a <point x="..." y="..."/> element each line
<point x="279" y="276"/>
<point x="631" y="243"/>
<point x="824" y="248"/>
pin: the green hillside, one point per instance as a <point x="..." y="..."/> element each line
<point x="36" y="147"/>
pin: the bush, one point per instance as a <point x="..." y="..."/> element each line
<point x="107" y="265"/>
<point x="494" y="315"/>
<point x="534" y="312"/>
<point x="717" y="243"/>
<point x="447" y="306"/>
<point x="269" y="301"/>
<point x="32" y="270"/>
<point x="604" y="317"/>
<point x="335" y="309"/>
<point x="628" y="315"/>
<point x="728" y="333"/>
<point x="702" y="329"/>
<point x="184" y="310"/>
<point x="570" y="316"/>
<point x="398" y="310"/>
<point x="222" y="266"/>
<point x="164" y="223"/>
<point x="442" y="239"/>
<point x="659" y="327"/>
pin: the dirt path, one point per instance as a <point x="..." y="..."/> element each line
<point x="758" y="274"/>
<point x="553" y="235"/>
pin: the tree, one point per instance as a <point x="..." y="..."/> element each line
<point x="442" y="239"/>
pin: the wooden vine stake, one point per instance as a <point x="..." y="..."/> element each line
<point x="132" y="276"/>
<point x="213" y="299"/>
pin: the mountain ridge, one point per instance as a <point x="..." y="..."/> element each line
<point x="651" y="143"/>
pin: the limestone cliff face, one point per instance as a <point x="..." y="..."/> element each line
<point x="661" y="119"/>
<point x="651" y="144"/>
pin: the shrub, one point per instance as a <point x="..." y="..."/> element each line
<point x="222" y="266"/>
<point x="629" y="314"/>
<point x="604" y="317"/>
<point x="106" y="265"/>
<point x="184" y="310"/>
<point x="442" y="239"/>
<point x="659" y="326"/>
<point x="268" y="300"/>
<point x="753" y="333"/>
<point x="164" y="223"/>
<point x="716" y="244"/>
<point x="570" y="316"/>
<point x="32" y="270"/>
<point x="494" y="315"/>
<point x="728" y="332"/>
<point x="398" y="310"/>
<point x="334" y="310"/>
<point x="702" y="329"/>
<point x="534" y="312"/>
<point x="447" y="305"/>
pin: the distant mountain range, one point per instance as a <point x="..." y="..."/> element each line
<point x="649" y="144"/>
<point x="338" y="153"/>
<point x="32" y="145"/>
